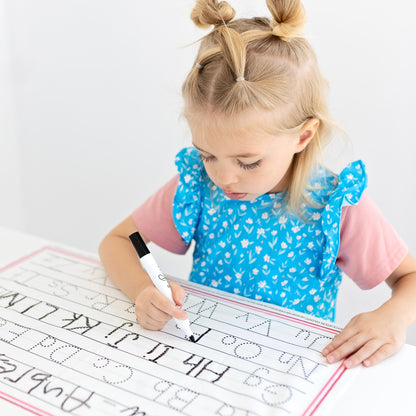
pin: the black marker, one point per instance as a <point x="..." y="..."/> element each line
<point x="158" y="278"/>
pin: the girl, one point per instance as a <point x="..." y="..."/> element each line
<point x="268" y="220"/>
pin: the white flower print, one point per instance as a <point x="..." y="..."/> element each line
<point x="266" y="258"/>
<point x="255" y="272"/>
<point x="221" y="244"/>
<point x="262" y="284"/>
<point x="260" y="231"/>
<point x="258" y="249"/>
<point x="292" y="270"/>
<point x="308" y="261"/>
<point x="211" y="236"/>
<point x="227" y="278"/>
<point x="264" y="215"/>
<point x="296" y="229"/>
<point x="316" y="216"/>
<point x="249" y="221"/>
<point x="312" y="291"/>
<point x="309" y="308"/>
<point x="214" y="283"/>
<point x="187" y="178"/>
<point x="282" y="220"/>
<point x="244" y="243"/>
<point x="211" y="211"/>
<point x="283" y="245"/>
<point x="227" y="255"/>
<point x="243" y="207"/>
<point x="225" y="224"/>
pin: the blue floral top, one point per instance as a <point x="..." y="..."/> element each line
<point x="257" y="248"/>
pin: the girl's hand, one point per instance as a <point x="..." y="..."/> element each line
<point x="154" y="310"/>
<point x="368" y="339"/>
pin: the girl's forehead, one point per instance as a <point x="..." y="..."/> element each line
<point x="245" y="133"/>
<point x="253" y="121"/>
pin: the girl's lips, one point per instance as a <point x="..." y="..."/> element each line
<point x="234" y="195"/>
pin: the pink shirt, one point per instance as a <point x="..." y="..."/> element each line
<point x="370" y="249"/>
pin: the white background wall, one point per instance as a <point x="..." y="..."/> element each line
<point x="90" y="110"/>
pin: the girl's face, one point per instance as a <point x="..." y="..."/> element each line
<point x="243" y="156"/>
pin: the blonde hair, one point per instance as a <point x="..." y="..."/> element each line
<point x="262" y="64"/>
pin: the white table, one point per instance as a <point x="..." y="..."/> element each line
<point x="386" y="389"/>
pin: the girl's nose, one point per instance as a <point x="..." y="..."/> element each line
<point x="226" y="176"/>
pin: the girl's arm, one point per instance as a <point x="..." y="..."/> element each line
<point x="373" y="336"/>
<point x="121" y="263"/>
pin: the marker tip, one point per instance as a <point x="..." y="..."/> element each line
<point x="192" y="338"/>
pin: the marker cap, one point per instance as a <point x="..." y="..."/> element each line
<point x="139" y="244"/>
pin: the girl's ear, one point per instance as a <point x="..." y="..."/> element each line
<point x="306" y="134"/>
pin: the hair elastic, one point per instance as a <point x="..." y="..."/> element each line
<point x="199" y="66"/>
<point x="239" y="79"/>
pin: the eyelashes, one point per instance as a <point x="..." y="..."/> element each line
<point x="207" y="159"/>
<point x="249" y="166"/>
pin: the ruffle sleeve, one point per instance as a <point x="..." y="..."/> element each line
<point x="187" y="202"/>
<point x="352" y="182"/>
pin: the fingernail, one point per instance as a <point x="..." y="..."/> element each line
<point x="330" y="358"/>
<point x="367" y="363"/>
<point x="348" y="364"/>
<point x="325" y="351"/>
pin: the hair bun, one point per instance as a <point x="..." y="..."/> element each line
<point x="289" y="18"/>
<point x="211" y="12"/>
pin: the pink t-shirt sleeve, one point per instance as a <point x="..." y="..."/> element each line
<point x="370" y="249"/>
<point x="154" y="219"/>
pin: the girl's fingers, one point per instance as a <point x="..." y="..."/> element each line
<point x="168" y="307"/>
<point x="382" y="353"/>
<point x="366" y="351"/>
<point x="338" y="340"/>
<point x="148" y="322"/>
<point x="178" y="293"/>
<point x="344" y="349"/>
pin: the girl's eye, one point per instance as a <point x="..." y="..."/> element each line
<point x="242" y="165"/>
<point x="206" y="158"/>
<point x="249" y="166"/>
